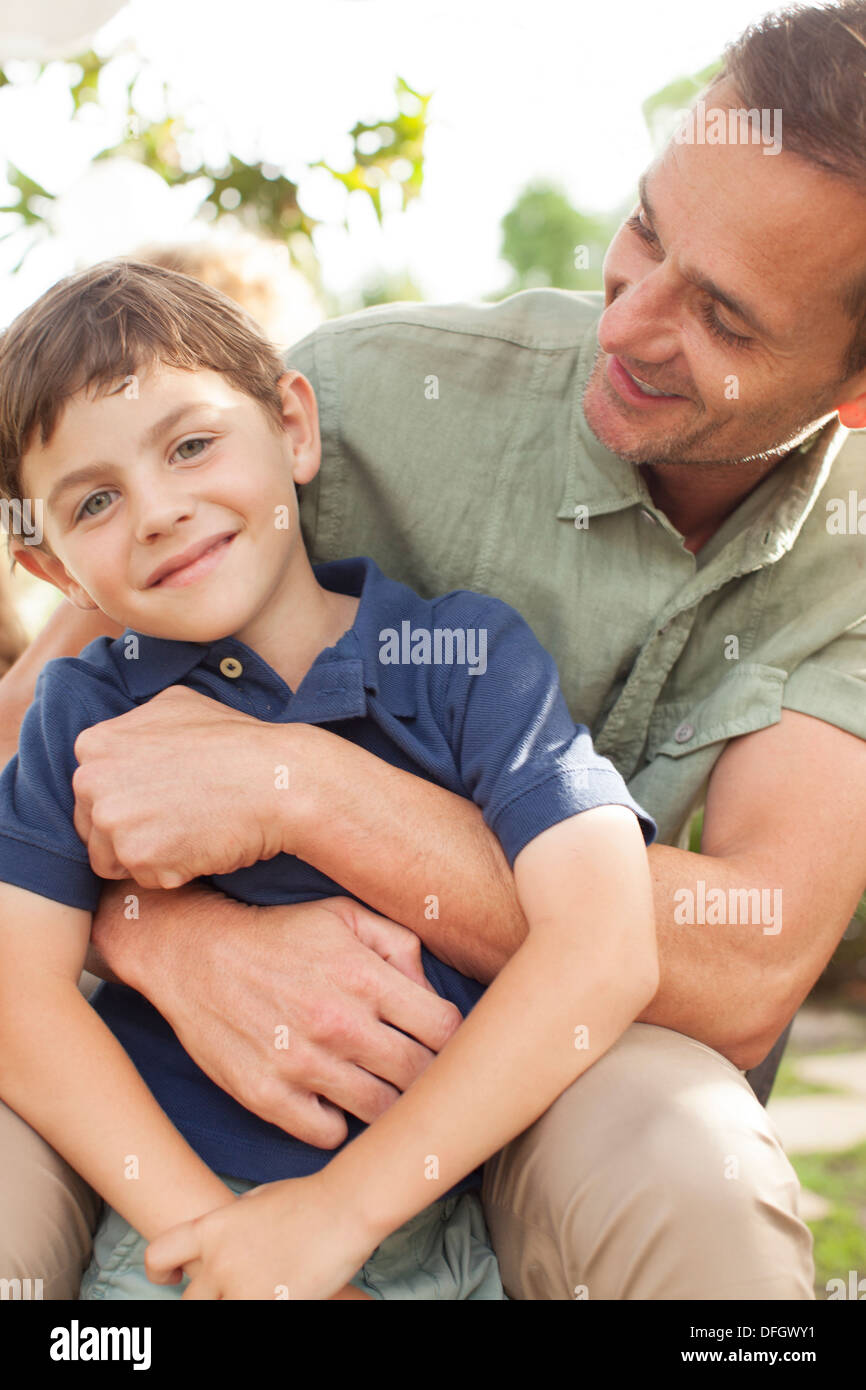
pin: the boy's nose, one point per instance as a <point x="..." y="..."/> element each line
<point x="158" y="513"/>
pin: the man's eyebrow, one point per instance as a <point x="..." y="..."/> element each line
<point x="90" y="471"/>
<point x="704" y="282"/>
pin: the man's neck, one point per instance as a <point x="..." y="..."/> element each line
<point x="698" y="512"/>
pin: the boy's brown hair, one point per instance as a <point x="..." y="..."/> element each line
<point x="103" y="325"/>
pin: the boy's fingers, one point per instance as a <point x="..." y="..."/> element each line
<point x="170" y="1252"/>
<point x="201" y="1289"/>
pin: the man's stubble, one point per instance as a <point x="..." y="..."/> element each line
<point x="775" y="433"/>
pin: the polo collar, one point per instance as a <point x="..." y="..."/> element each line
<point x="340" y="679"/>
<point x="603" y="482"/>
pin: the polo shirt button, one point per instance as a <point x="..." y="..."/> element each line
<point x="684" y="733"/>
<point x="231" y="667"/>
<point x="648" y="516"/>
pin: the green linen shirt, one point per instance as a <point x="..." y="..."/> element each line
<point x="457" y="455"/>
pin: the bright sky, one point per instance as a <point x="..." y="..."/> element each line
<point x="549" y="89"/>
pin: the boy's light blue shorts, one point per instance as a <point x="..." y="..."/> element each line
<point x="442" y="1253"/>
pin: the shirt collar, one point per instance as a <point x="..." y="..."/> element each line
<point x="603" y="482"/>
<point x="341" y="677"/>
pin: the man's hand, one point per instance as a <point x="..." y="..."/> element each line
<point x="180" y="787"/>
<point x="331" y="979"/>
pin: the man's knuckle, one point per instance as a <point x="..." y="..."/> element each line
<point x="265" y="1094"/>
<point x="327" y="1021"/>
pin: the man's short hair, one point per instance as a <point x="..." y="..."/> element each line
<point x="810" y="63"/>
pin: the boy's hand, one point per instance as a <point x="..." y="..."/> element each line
<point x="181" y="787"/>
<point x="297" y="1239"/>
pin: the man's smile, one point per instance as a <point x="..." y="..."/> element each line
<point x="635" y="390"/>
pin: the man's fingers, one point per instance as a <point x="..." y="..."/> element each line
<point x="397" y="945"/>
<point x="102" y="858"/>
<point x="422" y="1014"/>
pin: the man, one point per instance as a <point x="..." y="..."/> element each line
<point x="675" y="553"/>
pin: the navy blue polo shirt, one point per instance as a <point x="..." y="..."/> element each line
<point x="456" y="690"/>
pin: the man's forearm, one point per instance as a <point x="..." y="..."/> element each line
<point x="424" y="857"/>
<point x="412" y="851"/>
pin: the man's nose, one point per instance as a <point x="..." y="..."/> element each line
<point x="642" y="321"/>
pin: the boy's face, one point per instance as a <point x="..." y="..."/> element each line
<point x="212" y="486"/>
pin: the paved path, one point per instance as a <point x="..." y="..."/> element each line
<point x="824" y="1123"/>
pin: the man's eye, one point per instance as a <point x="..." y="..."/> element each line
<point x="85" y="508"/>
<point x="187" y="443"/>
<point x="644" y="232"/>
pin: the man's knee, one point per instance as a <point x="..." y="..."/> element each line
<point x="47" y="1214"/>
<point x="656" y="1175"/>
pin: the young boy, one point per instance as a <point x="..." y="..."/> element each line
<point x="163" y="438"/>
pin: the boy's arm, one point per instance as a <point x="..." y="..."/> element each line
<point x="586" y="969"/>
<point x="63" y="1071"/>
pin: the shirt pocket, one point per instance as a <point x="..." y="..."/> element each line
<point x="748" y="698"/>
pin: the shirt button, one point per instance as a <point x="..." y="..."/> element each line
<point x="648" y="516"/>
<point x="684" y="733"/>
<point x="231" y="667"/>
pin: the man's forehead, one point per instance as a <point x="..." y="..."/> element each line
<point x="781" y="236"/>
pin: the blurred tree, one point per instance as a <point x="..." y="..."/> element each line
<point x="663" y="108"/>
<point x="548" y="242"/>
<point x="259" y="195"/>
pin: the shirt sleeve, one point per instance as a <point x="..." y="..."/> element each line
<point x="522" y="758"/>
<point x="831" y="684"/>
<point x="40" y="848"/>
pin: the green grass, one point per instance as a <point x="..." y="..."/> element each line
<point x="840" y="1237"/>
<point x="788" y="1083"/>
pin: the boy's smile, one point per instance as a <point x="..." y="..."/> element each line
<point x="170" y="505"/>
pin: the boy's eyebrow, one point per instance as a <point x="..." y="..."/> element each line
<point x="704" y="282"/>
<point x="92" y="470"/>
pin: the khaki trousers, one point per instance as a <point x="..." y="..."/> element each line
<point x="657" y="1175"/>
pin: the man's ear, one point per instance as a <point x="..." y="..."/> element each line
<point x="852" y="412"/>
<point x="49" y="568"/>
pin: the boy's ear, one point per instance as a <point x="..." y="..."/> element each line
<point x="49" y="568"/>
<point x="301" y="424"/>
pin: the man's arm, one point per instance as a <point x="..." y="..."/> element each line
<point x="784" y="813"/>
<point x="783" y="818"/>
<point x="785" y="809"/>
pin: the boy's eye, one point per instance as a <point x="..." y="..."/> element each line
<point x="95" y="497"/>
<point x="187" y="443"/>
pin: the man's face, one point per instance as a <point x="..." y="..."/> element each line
<point x="158" y="488"/>
<point x="773" y="234"/>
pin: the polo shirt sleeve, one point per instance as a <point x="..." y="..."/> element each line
<point x="521" y="757"/>
<point x="831" y="684"/>
<point x="40" y="848"/>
